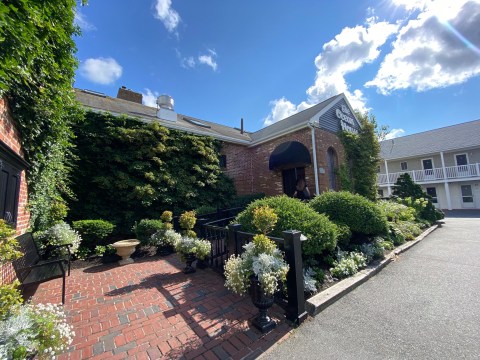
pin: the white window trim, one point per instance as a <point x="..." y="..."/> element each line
<point x="406" y="165"/>
<point x="433" y="164"/>
<point x="466" y="154"/>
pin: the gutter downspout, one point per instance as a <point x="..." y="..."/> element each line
<point x="315" y="167"/>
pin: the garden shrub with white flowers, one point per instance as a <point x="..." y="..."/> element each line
<point x="59" y="234"/>
<point x="189" y="245"/>
<point x="27" y="330"/>
<point x="261" y="259"/>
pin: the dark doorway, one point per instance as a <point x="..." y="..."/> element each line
<point x="290" y="177"/>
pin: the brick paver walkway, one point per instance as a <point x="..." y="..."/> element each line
<point x="151" y="310"/>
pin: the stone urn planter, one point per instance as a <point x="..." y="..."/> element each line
<point x="125" y="248"/>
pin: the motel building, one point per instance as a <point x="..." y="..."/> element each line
<point x="270" y="160"/>
<point x="445" y="162"/>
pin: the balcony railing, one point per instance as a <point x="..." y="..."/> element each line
<point x="432" y="175"/>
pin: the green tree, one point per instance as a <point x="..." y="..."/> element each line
<point x="37" y="68"/>
<point x="363" y="156"/>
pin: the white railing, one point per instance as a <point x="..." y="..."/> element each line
<point x="429" y="175"/>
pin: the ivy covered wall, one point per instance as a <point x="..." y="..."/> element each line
<point x="37" y="68"/>
<point x="128" y="170"/>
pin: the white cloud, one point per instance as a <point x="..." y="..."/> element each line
<point x="281" y="109"/>
<point x="168" y="16"/>
<point x="412" y="4"/>
<point x="440" y="47"/>
<point x="209" y="59"/>
<point x="81" y="20"/>
<point x="150" y="98"/>
<point x="394" y="133"/>
<point x="101" y="70"/>
<point x="346" y="53"/>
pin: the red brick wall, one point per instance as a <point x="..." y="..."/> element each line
<point x="10" y="135"/>
<point x="249" y="166"/>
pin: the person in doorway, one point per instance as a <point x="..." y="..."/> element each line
<point x="301" y="190"/>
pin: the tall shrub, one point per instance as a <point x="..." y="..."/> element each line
<point x="412" y="194"/>
<point x="362" y="155"/>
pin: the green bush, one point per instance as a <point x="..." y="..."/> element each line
<point x="408" y="229"/>
<point x="359" y="214"/>
<point x="344" y="235"/>
<point x="93" y="232"/>
<point x="294" y="215"/>
<point x="145" y="228"/>
<point x="394" y="211"/>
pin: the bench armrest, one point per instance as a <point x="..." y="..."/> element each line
<point x="48" y="262"/>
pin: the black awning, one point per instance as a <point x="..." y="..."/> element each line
<point x="290" y="154"/>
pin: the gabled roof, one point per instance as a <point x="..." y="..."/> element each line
<point x="450" y="138"/>
<point x="294" y="121"/>
<point x="100" y="102"/>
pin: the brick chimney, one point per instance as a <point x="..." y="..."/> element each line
<point x="129" y="95"/>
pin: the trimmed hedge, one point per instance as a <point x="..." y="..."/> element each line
<point x="93" y="232"/>
<point x="359" y="214"/>
<point x="145" y="228"/>
<point x="294" y="215"/>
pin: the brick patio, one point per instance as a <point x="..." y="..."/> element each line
<point x="151" y="310"/>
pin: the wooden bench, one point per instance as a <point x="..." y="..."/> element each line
<point x="31" y="269"/>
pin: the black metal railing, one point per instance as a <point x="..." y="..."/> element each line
<point x="291" y="244"/>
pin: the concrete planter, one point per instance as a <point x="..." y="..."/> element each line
<point x="125" y="248"/>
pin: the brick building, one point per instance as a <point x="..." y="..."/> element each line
<point x="13" y="184"/>
<point x="270" y="160"/>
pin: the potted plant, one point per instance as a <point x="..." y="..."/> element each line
<point x="187" y="222"/>
<point x="165" y="241"/>
<point x="186" y="248"/>
<point x="259" y="269"/>
<point x="202" y="252"/>
<point x="190" y="249"/>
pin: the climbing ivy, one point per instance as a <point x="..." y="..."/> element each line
<point x="363" y="156"/>
<point x="128" y="170"/>
<point x="37" y="67"/>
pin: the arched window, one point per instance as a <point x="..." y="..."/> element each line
<point x="332" y="162"/>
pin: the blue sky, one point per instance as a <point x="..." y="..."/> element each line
<point x="414" y="64"/>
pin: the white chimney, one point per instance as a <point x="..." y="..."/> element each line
<point x="165" y="108"/>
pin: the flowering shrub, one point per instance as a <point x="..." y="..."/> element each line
<point x="348" y="265"/>
<point x="408" y="229"/>
<point x="165" y="238"/>
<point x="395" y="211"/>
<point x="31" y="329"/>
<point x="261" y="259"/>
<point x="203" y="249"/>
<point x="187" y="245"/>
<point x="60" y="234"/>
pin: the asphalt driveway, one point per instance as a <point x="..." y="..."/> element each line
<point x="425" y="305"/>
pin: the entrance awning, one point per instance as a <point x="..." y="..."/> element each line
<point x="288" y="155"/>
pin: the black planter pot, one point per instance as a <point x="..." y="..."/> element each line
<point x="165" y="250"/>
<point x="110" y="258"/>
<point x="263" y="302"/>
<point x="202" y="264"/>
<point x="189" y="259"/>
